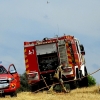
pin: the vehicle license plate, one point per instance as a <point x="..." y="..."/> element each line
<point x="1" y="91"/>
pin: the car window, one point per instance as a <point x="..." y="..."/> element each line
<point x="3" y="70"/>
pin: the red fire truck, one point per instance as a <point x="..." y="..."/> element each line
<point x="43" y="57"/>
<point x="9" y="81"/>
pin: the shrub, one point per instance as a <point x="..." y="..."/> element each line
<point x="91" y="81"/>
<point x="24" y="84"/>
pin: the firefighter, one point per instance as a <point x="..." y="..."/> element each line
<point x="58" y="77"/>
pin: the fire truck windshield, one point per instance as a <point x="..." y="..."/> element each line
<point x="3" y="70"/>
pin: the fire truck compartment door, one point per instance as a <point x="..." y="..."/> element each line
<point x="46" y="49"/>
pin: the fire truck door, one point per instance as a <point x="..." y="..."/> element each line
<point x="79" y="51"/>
<point x="12" y="70"/>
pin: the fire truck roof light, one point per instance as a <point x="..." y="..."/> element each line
<point x="47" y="40"/>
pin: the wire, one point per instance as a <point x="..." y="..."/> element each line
<point x="69" y="80"/>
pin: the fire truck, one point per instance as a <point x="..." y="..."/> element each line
<point x="42" y="57"/>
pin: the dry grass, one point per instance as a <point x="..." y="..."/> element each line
<point x="90" y="93"/>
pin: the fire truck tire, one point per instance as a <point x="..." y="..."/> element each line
<point x="75" y="84"/>
<point x="84" y="81"/>
<point x="34" y="87"/>
<point x="13" y="94"/>
<point x="80" y="81"/>
<point x="67" y="87"/>
<point x="58" y="88"/>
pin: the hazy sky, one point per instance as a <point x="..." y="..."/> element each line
<point x="28" y="20"/>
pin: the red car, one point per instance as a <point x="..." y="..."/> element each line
<point x="9" y="81"/>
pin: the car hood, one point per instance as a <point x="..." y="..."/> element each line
<point x="5" y="76"/>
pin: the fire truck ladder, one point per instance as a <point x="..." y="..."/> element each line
<point x="62" y="51"/>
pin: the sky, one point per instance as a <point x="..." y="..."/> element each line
<point x="28" y="20"/>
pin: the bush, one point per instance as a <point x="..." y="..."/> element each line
<point x="24" y="86"/>
<point x="91" y="81"/>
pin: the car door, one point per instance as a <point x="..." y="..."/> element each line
<point x="12" y="70"/>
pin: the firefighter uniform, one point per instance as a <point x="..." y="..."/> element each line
<point x="58" y="78"/>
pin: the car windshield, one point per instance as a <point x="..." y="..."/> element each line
<point x="3" y="70"/>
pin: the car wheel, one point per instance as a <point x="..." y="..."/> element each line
<point x="13" y="94"/>
<point x="3" y="95"/>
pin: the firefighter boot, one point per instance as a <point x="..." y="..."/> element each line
<point x="64" y="89"/>
<point x="51" y="89"/>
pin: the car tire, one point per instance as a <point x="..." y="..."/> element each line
<point x="13" y="94"/>
<point x="3" y="95"/>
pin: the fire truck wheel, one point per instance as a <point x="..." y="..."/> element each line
<point x="75" y="83"/>
<point x="84" y="81"/>
<point x="13" y="94"/>
<point x="36" y="86"/>
<point x="58" y="88"/>
<point x="3" y="95"/>
<point x="80" y="81"/>
<point x="67" y="87"/>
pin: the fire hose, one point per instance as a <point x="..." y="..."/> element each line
<point x="67" y="81"/>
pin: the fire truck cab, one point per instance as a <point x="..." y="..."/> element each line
<point x="43" y="57"/>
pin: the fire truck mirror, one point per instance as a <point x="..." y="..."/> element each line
<point x="82" y="49"/>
